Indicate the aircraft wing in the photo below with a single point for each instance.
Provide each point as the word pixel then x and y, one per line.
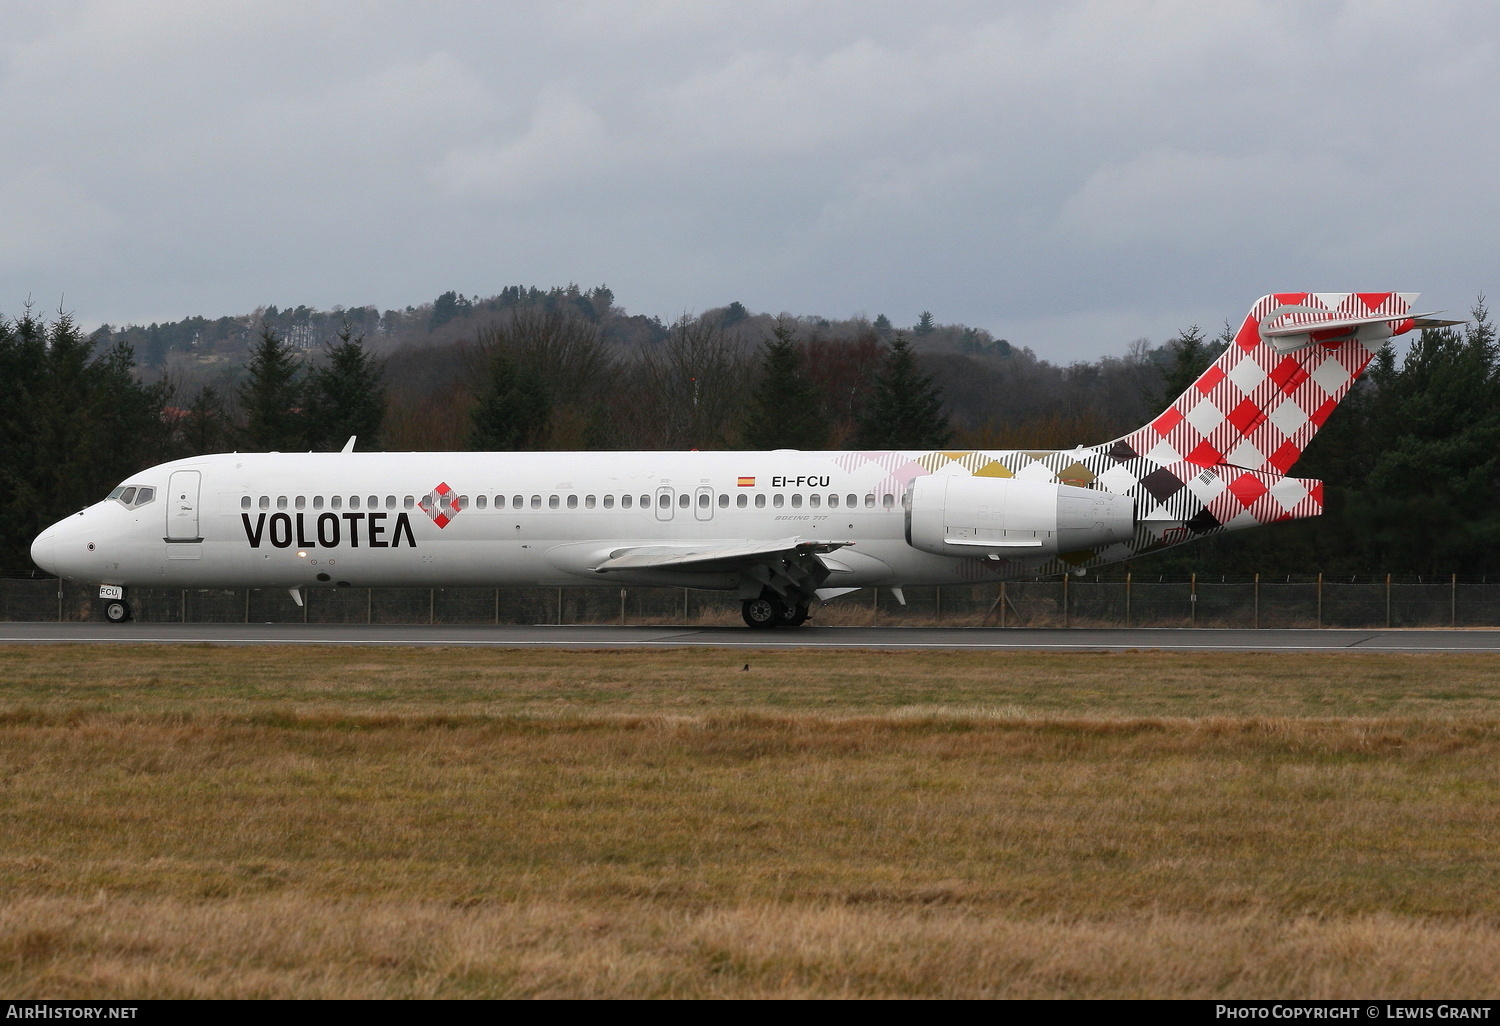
pixel 715 557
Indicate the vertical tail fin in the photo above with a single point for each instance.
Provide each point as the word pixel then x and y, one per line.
pixel 1260 404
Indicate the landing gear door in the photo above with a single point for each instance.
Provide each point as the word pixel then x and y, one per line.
pixel 182 507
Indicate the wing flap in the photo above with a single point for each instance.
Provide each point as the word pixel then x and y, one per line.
pixel 717 557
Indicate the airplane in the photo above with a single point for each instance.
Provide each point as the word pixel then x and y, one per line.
pixel 781 530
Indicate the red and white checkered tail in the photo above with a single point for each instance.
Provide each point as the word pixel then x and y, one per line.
pixel 1259 405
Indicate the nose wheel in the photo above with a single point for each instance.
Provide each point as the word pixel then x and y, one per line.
pixel 116 611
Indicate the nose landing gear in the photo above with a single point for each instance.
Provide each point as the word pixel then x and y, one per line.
pixel 116 611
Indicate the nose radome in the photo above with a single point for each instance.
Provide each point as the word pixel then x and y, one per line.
pixel 44 550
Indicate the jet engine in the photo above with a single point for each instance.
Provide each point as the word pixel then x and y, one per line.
pixel 980 516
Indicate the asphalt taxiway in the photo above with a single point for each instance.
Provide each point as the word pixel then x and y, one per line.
pixel 1017 638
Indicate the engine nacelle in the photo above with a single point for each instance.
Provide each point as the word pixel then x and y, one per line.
pixel 981 516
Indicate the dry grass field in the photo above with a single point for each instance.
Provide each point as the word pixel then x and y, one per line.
pixel 199 821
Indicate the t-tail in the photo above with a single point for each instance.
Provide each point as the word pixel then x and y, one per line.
pixel 1218 457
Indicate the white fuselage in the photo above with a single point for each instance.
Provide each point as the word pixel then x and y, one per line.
pixel 296 520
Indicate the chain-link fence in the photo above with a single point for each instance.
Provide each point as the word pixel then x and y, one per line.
pixel 1123 601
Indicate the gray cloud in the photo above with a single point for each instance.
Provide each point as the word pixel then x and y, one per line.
pixel 1068 175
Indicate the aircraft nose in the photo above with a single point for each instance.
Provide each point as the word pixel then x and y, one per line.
pixel 44 550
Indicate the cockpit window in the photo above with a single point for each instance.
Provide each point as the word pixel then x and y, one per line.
pixel 133 496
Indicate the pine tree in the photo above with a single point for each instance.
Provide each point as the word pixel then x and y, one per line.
pixel 925 325
pixel 1191 355
pixel 905 409
pixel 786 410
pixel 512 412
pixel 272 397
pixel 72 424
pixel 345 396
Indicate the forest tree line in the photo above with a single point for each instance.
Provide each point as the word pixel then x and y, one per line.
pixel 1412 457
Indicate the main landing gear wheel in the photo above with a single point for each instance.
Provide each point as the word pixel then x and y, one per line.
pixel 765 611
pixel 794 615
pixel 116 611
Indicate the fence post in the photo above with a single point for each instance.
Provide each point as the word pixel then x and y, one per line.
pixel 875 605
pixel 1453 600
pixel 497 607
pixel 431 605
pixel 684 605
pixel 1003 603
pixel 369 605
pixel 1193 600
pixel 622 607
pixel 1320 598
pixel 1067 620
pixel 1255 604
pixel 247 605
pixel 559 607
pixel 1127 599
pixel 59 600
pixel 1388 601
pixel 939 591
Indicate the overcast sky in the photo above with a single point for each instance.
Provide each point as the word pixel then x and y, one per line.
pixel 1070 176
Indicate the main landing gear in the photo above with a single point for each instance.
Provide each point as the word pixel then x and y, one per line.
pixel 771 610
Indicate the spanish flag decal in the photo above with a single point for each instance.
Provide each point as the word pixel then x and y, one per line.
pixel 747 482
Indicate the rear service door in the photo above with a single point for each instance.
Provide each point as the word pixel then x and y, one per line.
pixel 182 507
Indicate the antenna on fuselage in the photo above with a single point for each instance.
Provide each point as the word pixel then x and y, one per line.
pixel 349 445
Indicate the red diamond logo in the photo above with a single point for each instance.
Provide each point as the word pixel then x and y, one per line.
pixel 441 504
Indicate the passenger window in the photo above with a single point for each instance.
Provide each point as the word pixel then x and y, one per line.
pixel 481 500
pixel 683 500
pixel 572 502
pixel 336 502
pixel 833 502
pixel 814 501
pixel 301 502
pixel 588 502
pixel 407 502
pixel 281 502
pixel 742 500
pixel 244 499
pixel 645 501
pixel 869 502
pixel 797 501
pixel 626 501
pixel 516 501
pixel 127 496
pixel 723 500
pixel 703 501
pixel 354 502
pixel 609 502
pixel 853 500
pixel 265 502
pixel 887 500
pixel 536 502
pixel 390 502
pixel 463 502
pixel 664 501
pixel 778 500
pixel 760 502
pixel 374 502
pixel 552 502
pixel 317 502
